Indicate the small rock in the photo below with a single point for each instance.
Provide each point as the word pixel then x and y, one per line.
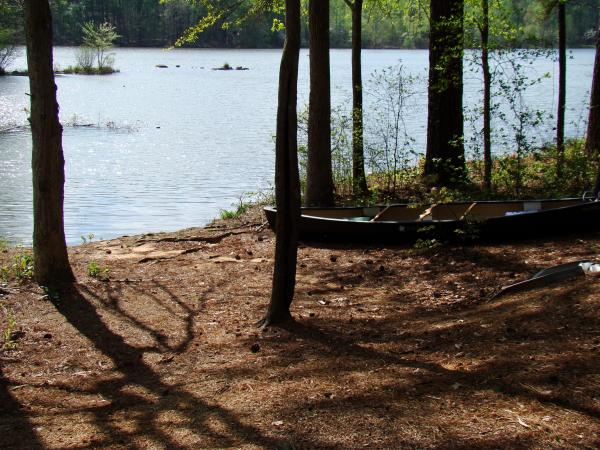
pixel 108 252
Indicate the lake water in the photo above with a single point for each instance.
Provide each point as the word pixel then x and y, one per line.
pixel 172 147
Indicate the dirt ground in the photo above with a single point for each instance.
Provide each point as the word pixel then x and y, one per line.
pixel 390 348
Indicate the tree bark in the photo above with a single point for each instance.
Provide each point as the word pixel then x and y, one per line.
pixel 319 179
pixel 51 263
pixel 444 158
pixel 596 191
pixel 487 95
pixel 592 143
pixel 287 184
pixel 359 179
pixel 562 88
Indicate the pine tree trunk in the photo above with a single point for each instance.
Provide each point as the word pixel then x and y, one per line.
pixel 487 95
pixel 444 158
pixel 562 89
pixel 596 191
pixel 592 143
pixel 51 263
pixel 287 184
pixel 319 179
pixel 359 179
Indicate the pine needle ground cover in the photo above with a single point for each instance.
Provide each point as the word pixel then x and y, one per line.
pixel 391 347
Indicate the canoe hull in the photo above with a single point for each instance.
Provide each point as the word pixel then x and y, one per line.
pixel 584 216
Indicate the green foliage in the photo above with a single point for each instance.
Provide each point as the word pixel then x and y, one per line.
pixel 240 209
pixel 8 331
pixel 3 244
pixel 89 238
pixel 95 271
pixel 4 273
pixel 22 267
pixel 231 15
pixel 422 245
pixel 97 39
pixel 429 241
pixel 9 18
pixel 390 148
pixel 259 23
pixel 78 70
pixel 341 149
pixel 537 172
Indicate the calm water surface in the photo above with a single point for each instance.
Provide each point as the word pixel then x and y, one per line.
pixel 172 147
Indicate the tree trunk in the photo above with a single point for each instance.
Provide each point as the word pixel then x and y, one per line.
pixel 51 263
pixel 562 89
pixel 319 180
pixel 359 179
pixel 592 143
pixel 444 159
pixel 287 184
pixel 487 95
pixel 597 184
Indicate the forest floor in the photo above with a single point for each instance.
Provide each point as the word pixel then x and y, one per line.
pixel 390 348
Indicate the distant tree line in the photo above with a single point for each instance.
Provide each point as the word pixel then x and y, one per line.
pixel 385 23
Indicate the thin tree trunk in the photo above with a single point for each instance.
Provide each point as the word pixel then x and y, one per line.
pixel 319 179
pixel 359 179
pixel 487 95
pixel 444 158
pixel 597 184
pixel 51 263
pixel 592 143
pixel 287 184
pixel 562 89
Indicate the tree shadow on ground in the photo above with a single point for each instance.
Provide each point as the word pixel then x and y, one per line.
pixel 507 372
pixel 211 424
pixel 15 427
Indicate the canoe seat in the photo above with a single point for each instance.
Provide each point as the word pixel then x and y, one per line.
pixel 449 211
pixel 480 211
pixel 398 212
